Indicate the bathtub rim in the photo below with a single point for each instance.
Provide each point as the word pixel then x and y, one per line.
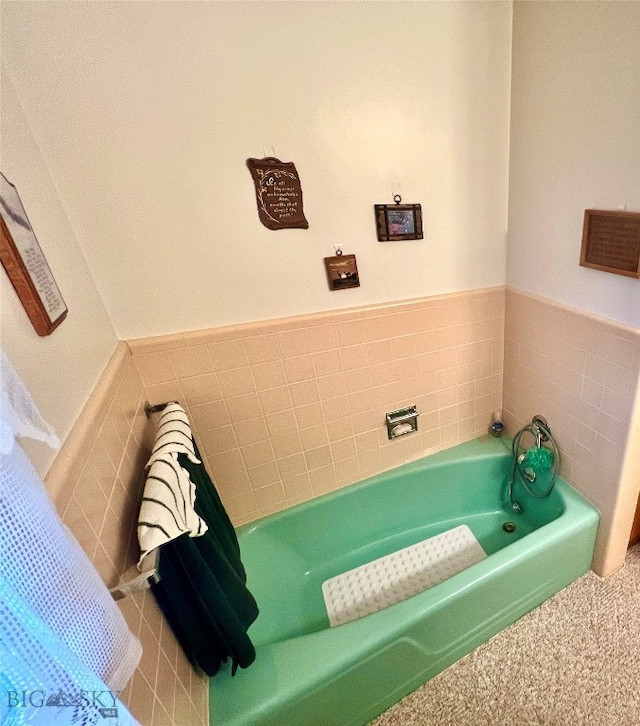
pixel 484 447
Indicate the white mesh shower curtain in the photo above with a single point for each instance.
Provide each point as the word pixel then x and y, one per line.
pixel 65 649
pixel 42 682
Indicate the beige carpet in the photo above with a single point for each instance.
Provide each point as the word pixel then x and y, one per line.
pixel 574 661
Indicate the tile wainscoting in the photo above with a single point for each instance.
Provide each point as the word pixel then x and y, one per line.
pixel 96 482
pixel 285 410
pixel 581 372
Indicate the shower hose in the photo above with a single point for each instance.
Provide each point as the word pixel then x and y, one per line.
pixel 539 429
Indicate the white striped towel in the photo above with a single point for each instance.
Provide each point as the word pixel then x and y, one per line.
pixel 167 510
pixel 173 435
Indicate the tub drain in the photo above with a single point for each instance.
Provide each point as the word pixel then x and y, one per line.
pixel 509 527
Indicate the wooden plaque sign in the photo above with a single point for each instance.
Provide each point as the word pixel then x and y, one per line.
pixel 278 193
pixel 25 264
pixel 611 242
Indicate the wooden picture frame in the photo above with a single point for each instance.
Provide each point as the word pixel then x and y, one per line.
pixel 342 272
pixel 396 222
pixel 611 242
pixel 26 265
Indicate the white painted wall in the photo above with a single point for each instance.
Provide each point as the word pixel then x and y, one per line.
pixel 575 145
pixel 62 369
pixel 146 113
pixel 129 141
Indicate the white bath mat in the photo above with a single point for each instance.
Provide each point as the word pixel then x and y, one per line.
pixel 400 575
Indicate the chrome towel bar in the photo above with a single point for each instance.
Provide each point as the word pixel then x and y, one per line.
pixel 150 409
pixel 143 581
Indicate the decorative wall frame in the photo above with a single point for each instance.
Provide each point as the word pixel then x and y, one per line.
pixel 395 222
pixel 611 242
pixel 26 265
pixel 342 271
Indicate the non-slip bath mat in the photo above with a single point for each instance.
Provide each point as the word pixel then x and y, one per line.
pixel 400 575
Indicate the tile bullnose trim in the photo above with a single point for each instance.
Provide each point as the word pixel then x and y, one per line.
pixel 623 328
pixel 171 341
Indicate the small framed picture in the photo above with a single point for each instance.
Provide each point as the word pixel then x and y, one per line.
pixel 395 222
pixel 342 272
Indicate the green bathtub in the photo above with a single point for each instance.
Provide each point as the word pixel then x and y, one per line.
pixel 308 674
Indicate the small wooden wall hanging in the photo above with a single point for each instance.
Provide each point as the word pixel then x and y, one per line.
pixel 278 193
pixel 342 271
pixel 395 222
pixel 611 242
pixel 25 264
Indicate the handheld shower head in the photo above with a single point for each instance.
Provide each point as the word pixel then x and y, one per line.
pixel 536 460
pixel 540 429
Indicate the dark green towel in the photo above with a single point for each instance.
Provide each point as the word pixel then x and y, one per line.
pixel 202 590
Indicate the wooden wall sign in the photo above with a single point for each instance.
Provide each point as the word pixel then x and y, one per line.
pixel 342 271
pixel 25 264
pixel 278 193
pixel 611 242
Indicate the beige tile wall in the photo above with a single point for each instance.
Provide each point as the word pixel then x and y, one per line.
pixel 95 482
pixel 580 372
pixel 289 409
